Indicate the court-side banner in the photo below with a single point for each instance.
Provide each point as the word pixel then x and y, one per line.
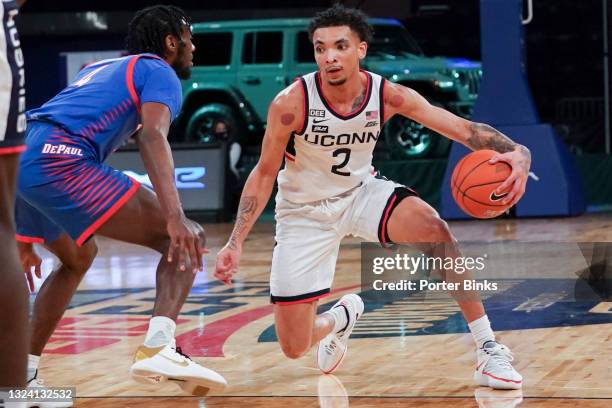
pixel 199 174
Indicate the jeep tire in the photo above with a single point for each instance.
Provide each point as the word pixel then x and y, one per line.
pixel 203 125
pixel 407 139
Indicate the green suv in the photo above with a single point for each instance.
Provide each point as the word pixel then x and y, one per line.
pixel 239 66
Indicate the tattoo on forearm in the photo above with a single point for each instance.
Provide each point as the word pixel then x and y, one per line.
pixel 358 100
pixel 246 211
pixel 485 137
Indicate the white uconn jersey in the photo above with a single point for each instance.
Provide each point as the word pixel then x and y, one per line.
pixel 332 153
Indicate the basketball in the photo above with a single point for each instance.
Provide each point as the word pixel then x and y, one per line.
pixel 474 182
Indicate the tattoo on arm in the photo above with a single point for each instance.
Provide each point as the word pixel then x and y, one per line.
pixel 483 136
pixel 246 211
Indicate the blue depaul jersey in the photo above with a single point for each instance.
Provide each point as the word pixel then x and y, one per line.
pixel 101 108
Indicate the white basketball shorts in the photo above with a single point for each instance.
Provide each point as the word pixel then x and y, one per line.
pixel 308 236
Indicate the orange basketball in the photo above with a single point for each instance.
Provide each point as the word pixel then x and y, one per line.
pixel 474 183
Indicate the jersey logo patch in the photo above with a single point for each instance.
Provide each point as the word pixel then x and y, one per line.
pixel 320 128
pixel 371 124
pixel 316 113
pixel 371 115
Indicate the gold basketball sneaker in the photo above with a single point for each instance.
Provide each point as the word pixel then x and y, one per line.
pixel 332 349
pixel 169 363
pixel 494 369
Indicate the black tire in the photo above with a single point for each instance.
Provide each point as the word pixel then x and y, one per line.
pixel 214 123
pixel 407 139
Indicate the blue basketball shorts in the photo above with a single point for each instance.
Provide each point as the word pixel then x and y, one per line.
pixel 63 187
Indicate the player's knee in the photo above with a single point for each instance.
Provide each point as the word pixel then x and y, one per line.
pixel 83 260
pixel 294 350
pixel 294 346
pixel 440 230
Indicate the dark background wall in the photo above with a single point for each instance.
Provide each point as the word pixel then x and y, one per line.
pixel 564 44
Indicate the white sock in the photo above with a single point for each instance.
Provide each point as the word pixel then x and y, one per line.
pixel 481 331
pixel 161 331
pixel 340 317
pixel 33 362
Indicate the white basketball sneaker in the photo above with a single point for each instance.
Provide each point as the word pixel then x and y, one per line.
pixel 168 363
pixel 40 385
pixel 494 369
pixel 332 349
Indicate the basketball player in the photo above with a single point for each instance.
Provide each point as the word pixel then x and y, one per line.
pixel 325 125
pixel 13 293
pixel 66 193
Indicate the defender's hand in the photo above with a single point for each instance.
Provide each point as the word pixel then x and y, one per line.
pixel 29 260
pixel 227 264
pixel 520 161
pixel 187 241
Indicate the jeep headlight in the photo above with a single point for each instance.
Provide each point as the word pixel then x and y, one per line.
pixel 453 73
pixel 462 77
pixel 444 84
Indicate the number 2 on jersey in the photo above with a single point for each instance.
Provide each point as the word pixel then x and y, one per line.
pixel 336 167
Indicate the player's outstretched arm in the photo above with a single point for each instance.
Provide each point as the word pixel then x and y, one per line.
pixel 285 116
pixel 476 136
pixel 187 237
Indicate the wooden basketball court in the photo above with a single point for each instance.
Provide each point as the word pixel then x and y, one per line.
pixel 403 354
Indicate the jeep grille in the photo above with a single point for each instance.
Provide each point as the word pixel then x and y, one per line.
pixel 471 80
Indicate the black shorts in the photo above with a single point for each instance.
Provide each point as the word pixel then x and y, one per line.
pixel 12 83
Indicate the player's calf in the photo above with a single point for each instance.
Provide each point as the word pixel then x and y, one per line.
pixel 294 327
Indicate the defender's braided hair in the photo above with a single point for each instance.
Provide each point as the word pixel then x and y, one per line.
pixel 150 26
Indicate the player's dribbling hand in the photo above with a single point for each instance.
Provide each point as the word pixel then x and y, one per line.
pixel 227 264
pixel 187 242
pixel 520 161
pixel 29 260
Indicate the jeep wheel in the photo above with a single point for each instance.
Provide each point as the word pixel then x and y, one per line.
pixel 406 139
pixel 214 123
